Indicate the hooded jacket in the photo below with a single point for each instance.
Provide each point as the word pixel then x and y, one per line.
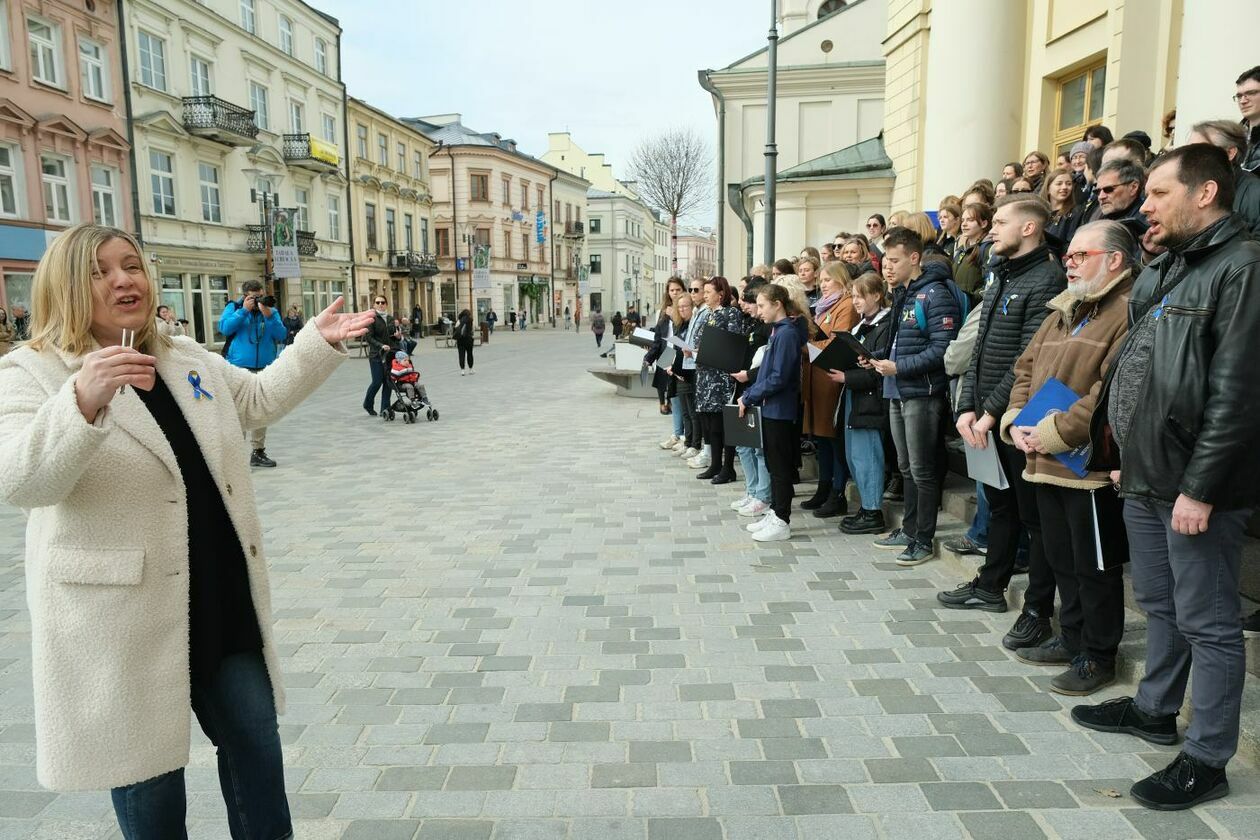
pixel 1013 309
pixel 254 336
pixel 920 352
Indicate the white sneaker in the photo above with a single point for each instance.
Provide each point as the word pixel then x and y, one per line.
pixel 681 446
pixel 776 531
pixel 760 523
pixel 755 507
pixel 736 505
pixel 471 371
pixel 669 442
pixel 463 373
pixel 688 453
pixel 699 462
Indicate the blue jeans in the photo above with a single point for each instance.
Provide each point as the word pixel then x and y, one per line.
pixel 756 475
pixel 675 405
pixel 978 533
pixel 831 468
pixel 380 382
pixel 864 453
pixel 237 713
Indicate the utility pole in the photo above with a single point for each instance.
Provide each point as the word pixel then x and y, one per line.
pixel 772 151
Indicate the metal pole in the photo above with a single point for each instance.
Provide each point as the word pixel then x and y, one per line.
pixel 772 151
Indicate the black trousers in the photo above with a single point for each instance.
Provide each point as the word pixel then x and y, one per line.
pixel 781 441
pixel 380 382
pixel 691 420
pixel 1008 510
pixel 721 455
pixel 465 353
pixel 1091 608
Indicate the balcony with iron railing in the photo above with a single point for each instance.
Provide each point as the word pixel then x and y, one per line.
pixel 413 263
pixel 311 153
pixel 256 241
pixel 575 230
pixel 214 119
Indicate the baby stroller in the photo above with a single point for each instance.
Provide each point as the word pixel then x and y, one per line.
pixel 410 397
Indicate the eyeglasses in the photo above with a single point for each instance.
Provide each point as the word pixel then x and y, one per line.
pixel 872 224
pixel 379 301
pixel 1246 94
pixel 696 289
pixel 1109 190
pixel 1075 258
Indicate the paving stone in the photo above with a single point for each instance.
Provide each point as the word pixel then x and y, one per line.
pixel 960 796
pixel 658 751
pixel 1165 825
pixel 412 778
pixel 1002 825
pixel 687 828
pixel 481 778
pixel 892 770
pixel 790 708
pixel 384 830
pixel 455 830
pixel 814 799
pixel 793 748
pixel 706 691
pixel 457 733
pixel 543 712
pixel 1034 795
pixel 763 773
pixel 623 775
pixel 579 731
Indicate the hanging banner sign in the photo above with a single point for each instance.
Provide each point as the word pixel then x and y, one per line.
pixel 284 251
pixel 481 267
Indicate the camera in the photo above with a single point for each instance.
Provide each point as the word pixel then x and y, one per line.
pixel 268 301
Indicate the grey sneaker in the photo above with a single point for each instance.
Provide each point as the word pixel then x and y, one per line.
pixel 1085 676
pixel 915 553
pixel 1050 652
pixel 964 545
pixel 896 540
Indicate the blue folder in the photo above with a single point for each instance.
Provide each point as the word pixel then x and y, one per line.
pixel 1054 396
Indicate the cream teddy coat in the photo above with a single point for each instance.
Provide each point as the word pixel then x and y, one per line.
pixel 107 547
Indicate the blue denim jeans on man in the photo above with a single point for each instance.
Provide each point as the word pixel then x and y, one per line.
pixel 756 475
pixel 236 711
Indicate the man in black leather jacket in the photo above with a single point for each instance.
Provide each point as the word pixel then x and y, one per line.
pixel 1177 416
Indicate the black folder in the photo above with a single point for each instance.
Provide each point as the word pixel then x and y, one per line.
pixel 722 349
pixel 842 353
pixel 742 431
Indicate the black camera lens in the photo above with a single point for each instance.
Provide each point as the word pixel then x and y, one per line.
pixel 269 301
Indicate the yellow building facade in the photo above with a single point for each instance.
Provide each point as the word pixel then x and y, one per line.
pixel 391 211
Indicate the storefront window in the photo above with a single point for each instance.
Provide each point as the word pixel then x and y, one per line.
pixel 218 290
pixel 17 290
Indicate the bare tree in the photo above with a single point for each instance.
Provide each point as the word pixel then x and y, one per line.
pixel 671 173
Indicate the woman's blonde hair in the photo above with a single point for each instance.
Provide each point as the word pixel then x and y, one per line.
pixel 871 283
pixel 922 225
pixel 796 291
pixel 838 272
pixel 61 294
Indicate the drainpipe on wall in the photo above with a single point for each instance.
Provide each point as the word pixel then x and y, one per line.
pixel 345 144
pixel 551 287
pixel 707 84
pixel 123 41
pixel 735 198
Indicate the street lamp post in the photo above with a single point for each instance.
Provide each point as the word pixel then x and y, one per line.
pixel 266 201
pixel 772 151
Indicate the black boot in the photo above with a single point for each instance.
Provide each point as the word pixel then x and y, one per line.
pixel 710 472
pixel 864 522
pixel 836 505
pixel 893 492
pixel 816 501
pixel 259 459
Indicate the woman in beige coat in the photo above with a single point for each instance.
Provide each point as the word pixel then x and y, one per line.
pixel 145 576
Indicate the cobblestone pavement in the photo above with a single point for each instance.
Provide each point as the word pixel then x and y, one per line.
pixel 526 621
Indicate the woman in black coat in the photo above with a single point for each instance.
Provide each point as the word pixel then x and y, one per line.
pixel 464 340
pixel 863 409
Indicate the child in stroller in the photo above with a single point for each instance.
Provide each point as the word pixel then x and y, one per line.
pixel 409 395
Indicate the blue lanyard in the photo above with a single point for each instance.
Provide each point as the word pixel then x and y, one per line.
pixel 1159 310
pixel 1079 327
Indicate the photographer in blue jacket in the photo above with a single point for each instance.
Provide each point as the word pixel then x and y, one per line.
pixel 252 331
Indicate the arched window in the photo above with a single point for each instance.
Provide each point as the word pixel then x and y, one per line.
pixel 830 7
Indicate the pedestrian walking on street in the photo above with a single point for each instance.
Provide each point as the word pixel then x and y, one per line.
pixel 567 318
pixel 145 576
pixel 492 318
pixel 616 324
pixel 597 327
pixel 381 348
pixel 512 320
pixel 292 324
pixel 254 332
pixel 1176 418
pixel 464 340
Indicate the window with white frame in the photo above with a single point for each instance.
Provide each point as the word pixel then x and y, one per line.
pixel 418 164
pixel 55 173
pixel 249 18
pixel 6 60
pixel 334 217
pixel 361 133
pixel 152 61
pixel 105 195
pixel 286 35
pixel 302 198
pixel 328 125
pixel 93 70
pixel 297 117
pixel 402 157
pixel 10 181
pixel 258 103
pixel 162 182
pixel 45 46
pixel 211 205
pixel 382 150
pixel 321 55
pixel 198 76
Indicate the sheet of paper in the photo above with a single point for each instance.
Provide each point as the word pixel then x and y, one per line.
pixel 1099 563
pixel 814 351
pixel 983 465
pixel 646 335
pixel 679 343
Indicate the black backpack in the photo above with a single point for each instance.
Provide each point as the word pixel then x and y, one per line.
pixel 227 341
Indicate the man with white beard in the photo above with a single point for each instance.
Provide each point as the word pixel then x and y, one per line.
pixel 1088 321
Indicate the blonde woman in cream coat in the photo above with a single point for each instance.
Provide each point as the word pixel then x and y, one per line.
pixel 103 446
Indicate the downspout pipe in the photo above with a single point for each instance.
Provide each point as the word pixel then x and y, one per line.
pixel 551 208
pixel 131 131
pixel 345 144
pixel 735 198
pixel 707 84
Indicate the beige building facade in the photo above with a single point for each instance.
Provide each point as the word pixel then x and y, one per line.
pixel 391 211
pixel 568 242
pixel 237 106
pixel 697 253
pixel 64 153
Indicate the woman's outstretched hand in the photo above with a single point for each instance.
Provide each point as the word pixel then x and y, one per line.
pixel 336 326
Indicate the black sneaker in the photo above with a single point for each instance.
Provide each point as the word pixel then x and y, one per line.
pixel 1029 631
pixel 834 506
pixel 1183 784
pixel 1085 676
pixel 964 545
pixel 893 492
pixel 864 522
pixel 1123 715
pixel 969 596
pixel 1251 624
pixel 259 459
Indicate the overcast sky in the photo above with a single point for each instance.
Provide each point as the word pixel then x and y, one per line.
pixel 610 71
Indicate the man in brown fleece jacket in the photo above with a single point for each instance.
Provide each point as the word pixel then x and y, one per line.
pixel 1088 322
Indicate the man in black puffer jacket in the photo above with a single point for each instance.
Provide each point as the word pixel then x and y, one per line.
pixel 1013 309
pixel 925 319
